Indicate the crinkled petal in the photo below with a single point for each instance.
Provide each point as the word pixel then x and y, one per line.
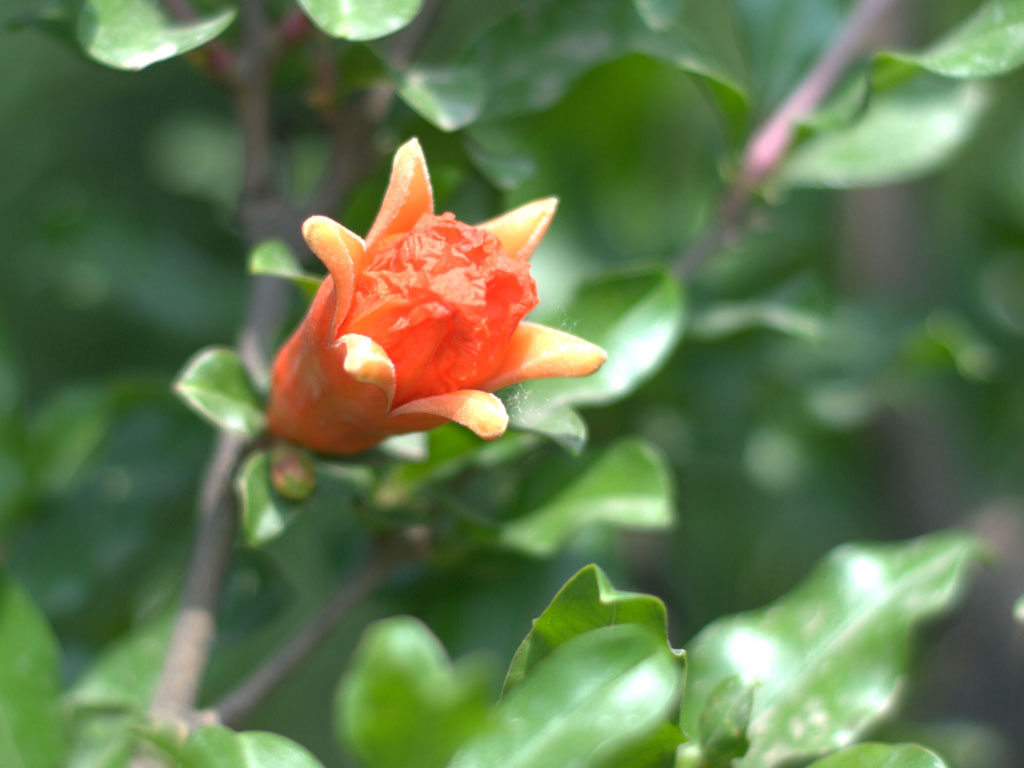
pixel 341 251
pixel 481 412
pixel 408 196
pixel 367 362
pixel 538 352
pixel 521 229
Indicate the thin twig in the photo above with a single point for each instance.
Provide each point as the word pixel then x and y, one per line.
pixel 232 709
pixel 192 637
pixel 194 629
pixel 770 142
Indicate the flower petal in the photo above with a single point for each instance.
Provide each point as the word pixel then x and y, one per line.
pixel 341 251
pixel 408 196
pixel 366 361
pixel 481 412
pixel 521 229
pixel 538 352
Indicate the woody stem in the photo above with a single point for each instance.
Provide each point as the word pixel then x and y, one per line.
pixel 192 637
pixel 233 707
pixel 770 142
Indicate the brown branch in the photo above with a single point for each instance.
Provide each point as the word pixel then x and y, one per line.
pixel 770 142
pixel 192 637
pixel 232 709
pixel 263 213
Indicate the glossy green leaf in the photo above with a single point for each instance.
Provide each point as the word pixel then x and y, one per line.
pixel 656 749
pixel 637 318
pixel 881 756
pixel 587 601
pixel 263 518
pixel 627 486
pixel 658 14
pixel 266 514
pixel 66 433
pixel 594 693
pixel 446 96
pixel 275 258
pixel 215 385
pixel 990 42
pixel 125 675
pixel 403 703
pixel 828 657
pixel 361 19
pixel 132 34
pixel 31 731
pixel 409 447
pixel 107 703
pixel 217 747
pixel 723 723
pixel 562 425
pixel 725 319
pixel 906 132
pixel 531 53
pixel 498 155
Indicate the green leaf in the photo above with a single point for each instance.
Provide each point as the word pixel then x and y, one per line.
pixel 108 701
pixel 637 318
pixel 563 425
pixel 403 703
pixel 906 132
pixel 446 96
pixel 723 722
pixel 1018 610
pixel 725 319
pixel 531 52
pixel 658 14
pixel 881 756
pixel 275 258
pixel 990 42
pixel 31 731
pixel 653 750
pixel 266 514
pixel 627 486
pixel 215 385
pixel 499 156
pixel 361 19
pixel 594 694
pixel 410 447
pixel 217 747
pixel 587 601
pixel 829 656
pixel 124 676
pixel 263 518
pixel 65 435
pixel 132 34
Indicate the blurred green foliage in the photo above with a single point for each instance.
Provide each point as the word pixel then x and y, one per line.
pixel 849 368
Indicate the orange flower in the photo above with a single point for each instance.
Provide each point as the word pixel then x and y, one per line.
pixel 418 324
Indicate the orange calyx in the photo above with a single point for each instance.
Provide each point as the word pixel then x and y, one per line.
pixel 442 300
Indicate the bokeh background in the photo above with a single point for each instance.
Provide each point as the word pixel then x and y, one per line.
pixel 852 365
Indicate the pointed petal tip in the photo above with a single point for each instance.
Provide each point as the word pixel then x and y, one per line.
pixel 409 194
pixel 367 362
pixel 313 225
pixel 539 352
pixel 521 229
pixel 481 412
